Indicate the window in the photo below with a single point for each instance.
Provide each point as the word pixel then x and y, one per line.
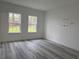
pixel 14 23
pixel 32 23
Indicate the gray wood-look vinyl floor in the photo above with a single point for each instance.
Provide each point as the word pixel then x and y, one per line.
pixel 36 49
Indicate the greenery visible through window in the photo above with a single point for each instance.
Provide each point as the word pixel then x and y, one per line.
pixel 14 23
pixel 32 23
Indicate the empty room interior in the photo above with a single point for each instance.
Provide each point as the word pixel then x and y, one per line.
pixel 39 29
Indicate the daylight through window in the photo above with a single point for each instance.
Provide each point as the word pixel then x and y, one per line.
pixel 14 23
pixel 32 23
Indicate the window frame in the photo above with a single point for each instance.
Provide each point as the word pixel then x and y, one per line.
pixel 13 19
pixel 32 24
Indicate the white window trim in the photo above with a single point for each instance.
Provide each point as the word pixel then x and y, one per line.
pixel 32 24
pixel 13 19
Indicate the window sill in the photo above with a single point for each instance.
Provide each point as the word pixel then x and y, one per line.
pixel 14 33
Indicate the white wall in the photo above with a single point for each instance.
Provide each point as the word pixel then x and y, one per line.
pixel 56 31
pixel 5 8
pixel 0 26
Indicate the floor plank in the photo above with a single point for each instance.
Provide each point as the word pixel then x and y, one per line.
pixel 36 49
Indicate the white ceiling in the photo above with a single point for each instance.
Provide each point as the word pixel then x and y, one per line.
pixel 43 4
